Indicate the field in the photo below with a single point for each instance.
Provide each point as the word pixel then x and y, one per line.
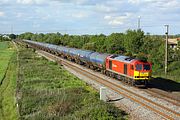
pixel 47 91
pixel 8 74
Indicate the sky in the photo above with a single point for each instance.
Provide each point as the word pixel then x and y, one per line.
pixel 89 16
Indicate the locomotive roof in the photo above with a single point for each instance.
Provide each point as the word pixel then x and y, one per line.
pixel 124 58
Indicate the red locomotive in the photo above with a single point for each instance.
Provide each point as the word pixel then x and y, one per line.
pixel 131 70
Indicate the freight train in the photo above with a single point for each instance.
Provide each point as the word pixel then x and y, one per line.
pixel 130 70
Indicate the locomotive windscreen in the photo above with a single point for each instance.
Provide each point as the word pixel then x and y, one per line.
pixel 147 67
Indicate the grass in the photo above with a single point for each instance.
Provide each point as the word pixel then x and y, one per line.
pixel 5 56
pixel 8 69
pixel 50 92
pixel 173 72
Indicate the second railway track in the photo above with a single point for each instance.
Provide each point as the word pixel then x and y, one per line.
pixel 163 96
pixel 165 112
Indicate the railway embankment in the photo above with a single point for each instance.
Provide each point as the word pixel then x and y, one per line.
pixel 48 91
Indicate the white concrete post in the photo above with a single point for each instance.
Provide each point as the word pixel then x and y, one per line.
pixel 103 94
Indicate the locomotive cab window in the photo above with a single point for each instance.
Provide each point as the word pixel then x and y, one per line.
pixel 139 67
pixel 147 67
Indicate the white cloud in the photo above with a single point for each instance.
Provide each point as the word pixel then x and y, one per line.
pixel 134 1
pixel 80 15
pixel 105 8
pixel 29 2
pixel 117 20
pixel 81 2
pixel 170 3
pixel 107 17
pixel 2 14
pixel 158 3
pixel 25 1
pixel 145 1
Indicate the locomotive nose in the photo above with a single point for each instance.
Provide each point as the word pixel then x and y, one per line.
pixel 143 71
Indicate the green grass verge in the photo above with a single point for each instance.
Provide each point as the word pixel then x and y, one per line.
pixel 8 86
pixel 50 92
pixel 5 55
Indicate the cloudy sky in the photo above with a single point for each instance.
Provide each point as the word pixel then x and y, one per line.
pixel 89 16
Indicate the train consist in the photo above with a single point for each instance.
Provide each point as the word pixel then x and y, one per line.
pixel 127 69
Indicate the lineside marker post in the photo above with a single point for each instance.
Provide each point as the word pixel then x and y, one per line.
pixel 103 94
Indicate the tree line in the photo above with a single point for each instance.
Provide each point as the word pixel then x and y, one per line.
pixel 7 37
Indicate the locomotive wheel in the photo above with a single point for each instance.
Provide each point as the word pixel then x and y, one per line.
pixel 107 73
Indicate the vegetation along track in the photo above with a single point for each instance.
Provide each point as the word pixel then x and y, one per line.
pixel 165 112
pixel 8 72
pixel 4 76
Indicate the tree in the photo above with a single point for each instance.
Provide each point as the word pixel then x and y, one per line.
pixel 156 52
pixel 1 38
pixel 27 35
pixel 90 46
pixel 115 43
pixel 133 41
pixel 12 36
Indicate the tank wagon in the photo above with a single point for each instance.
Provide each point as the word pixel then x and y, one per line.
pixel 130 70
pixel 98 60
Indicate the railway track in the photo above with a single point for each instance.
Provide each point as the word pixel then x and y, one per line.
pixel 163 96
pixel 165 112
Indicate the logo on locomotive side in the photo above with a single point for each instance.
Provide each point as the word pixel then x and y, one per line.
pixel 113 65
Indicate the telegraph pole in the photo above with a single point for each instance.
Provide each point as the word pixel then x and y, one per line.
pixel 139 22
pixel 166 49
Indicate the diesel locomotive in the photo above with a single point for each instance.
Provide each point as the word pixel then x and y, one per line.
pixel 130 70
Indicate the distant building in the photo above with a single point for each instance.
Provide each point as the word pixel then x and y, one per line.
pixel 173 42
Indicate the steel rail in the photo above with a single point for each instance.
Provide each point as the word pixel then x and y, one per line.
pixel 163 96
